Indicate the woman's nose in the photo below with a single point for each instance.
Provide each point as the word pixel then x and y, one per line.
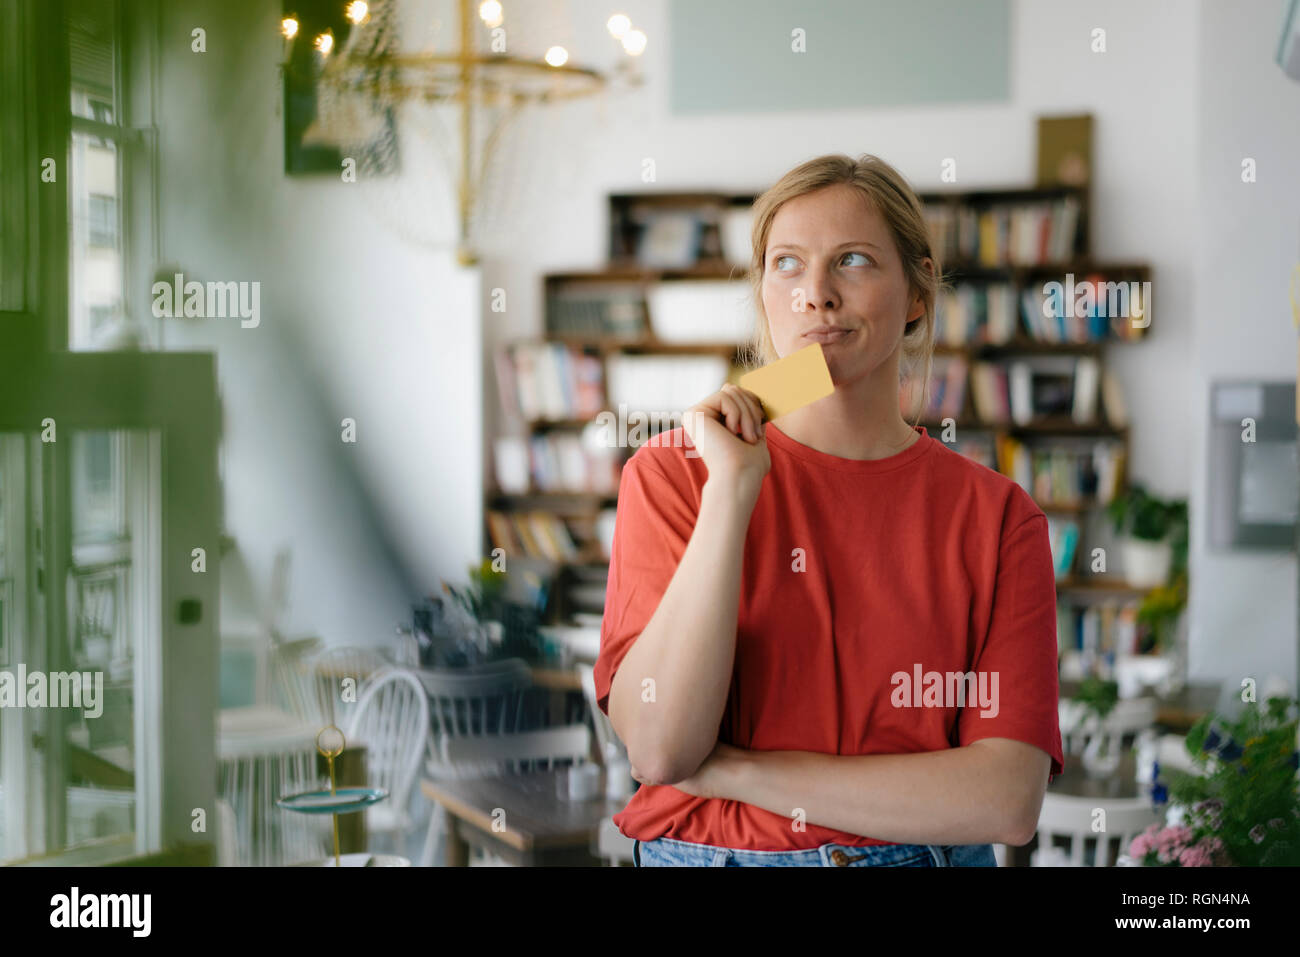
pixel 818 293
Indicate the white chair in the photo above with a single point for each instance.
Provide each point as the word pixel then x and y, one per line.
pixel 264 754
pixel 614 847
pixel 227 838
pixel 331 668
pixel 392 721
pixel 291 683
pixel 1070 817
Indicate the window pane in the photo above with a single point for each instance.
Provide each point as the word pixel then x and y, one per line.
pixel 69 768
pixel 97 268
pixel 94 201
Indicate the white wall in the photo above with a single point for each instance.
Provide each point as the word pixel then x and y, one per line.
pixel 1243 605
pixel 356 321
pixel 1183 90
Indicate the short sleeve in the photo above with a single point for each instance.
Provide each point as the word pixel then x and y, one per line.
pixel 655 519
pixel 1020 648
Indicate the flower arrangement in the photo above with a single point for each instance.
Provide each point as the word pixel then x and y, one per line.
pixel 1245 809
pixel 1181 845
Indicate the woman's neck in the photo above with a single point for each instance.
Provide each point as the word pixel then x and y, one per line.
pixel 860 421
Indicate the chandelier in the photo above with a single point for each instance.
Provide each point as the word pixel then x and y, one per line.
pixel 353 56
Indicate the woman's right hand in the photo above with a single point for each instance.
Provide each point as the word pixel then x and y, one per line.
pixel 727 432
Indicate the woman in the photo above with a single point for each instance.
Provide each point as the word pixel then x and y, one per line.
pixel 830 641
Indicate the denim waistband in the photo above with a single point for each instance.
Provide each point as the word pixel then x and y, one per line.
pixel 668 852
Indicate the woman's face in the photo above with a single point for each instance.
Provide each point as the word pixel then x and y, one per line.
pixel 832 275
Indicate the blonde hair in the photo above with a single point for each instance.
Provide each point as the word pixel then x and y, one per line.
pixel 893 199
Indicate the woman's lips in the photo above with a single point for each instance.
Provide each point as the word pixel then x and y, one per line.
pixel 828 336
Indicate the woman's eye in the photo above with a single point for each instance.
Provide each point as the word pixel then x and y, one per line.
pixel 776 264
pixel 861 256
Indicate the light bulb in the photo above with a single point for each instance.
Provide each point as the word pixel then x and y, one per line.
pixel 325 43
pixel 357 11
pixel 634 42
pixel 489 11
pixel 618 25
pixel 289 27
pixel 557 56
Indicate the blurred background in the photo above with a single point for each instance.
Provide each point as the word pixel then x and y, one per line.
pixel 326 327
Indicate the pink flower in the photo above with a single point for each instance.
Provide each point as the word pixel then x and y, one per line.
pixel 1257 833
pixel 1139 847
pixel 1195 856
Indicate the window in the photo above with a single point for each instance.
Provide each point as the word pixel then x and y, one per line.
pixel 102 221
pixel 109 185
pixel 87 519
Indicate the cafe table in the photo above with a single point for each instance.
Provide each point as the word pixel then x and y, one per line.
pixel 521 818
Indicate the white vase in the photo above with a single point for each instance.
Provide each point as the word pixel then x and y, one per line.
pixel 1146 564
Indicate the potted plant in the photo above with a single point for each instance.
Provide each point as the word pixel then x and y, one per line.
pixel 1154 535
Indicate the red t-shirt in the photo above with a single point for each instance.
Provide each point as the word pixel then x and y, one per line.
pixel 855 574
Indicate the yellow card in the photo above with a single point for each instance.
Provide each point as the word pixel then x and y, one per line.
pixel 792 382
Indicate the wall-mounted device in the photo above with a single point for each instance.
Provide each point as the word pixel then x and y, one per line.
pixel 1254 486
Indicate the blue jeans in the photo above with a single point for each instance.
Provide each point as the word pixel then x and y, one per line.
pixel 666 852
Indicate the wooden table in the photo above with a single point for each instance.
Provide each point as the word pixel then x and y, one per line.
pixel 1076 782
pixel 540 827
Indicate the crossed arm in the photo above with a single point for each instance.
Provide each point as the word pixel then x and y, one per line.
pixel 990 790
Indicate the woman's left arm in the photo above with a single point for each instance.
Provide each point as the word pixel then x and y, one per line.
pixel 990 790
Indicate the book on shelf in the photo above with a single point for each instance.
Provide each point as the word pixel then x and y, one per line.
pixel 549 381
pixel 1064 537
pixel 534 534
pixel 1112 397
pixel 1064 474
pixel 947 391
pixel 1006 234
pixel 564 462
pixel 976 314
pixel 1095 308
pixel 1096 633
pixel 595 310
pixel 1027 389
